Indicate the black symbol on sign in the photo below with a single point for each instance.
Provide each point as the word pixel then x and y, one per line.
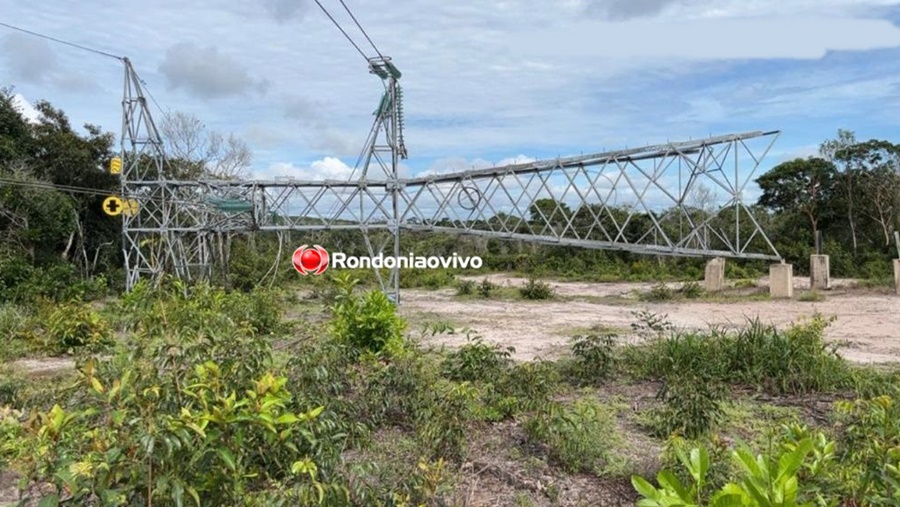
pixel 112 206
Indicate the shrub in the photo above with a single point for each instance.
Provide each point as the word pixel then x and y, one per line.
pixel 530 385
pixel 768 480
pixel 76 326
pixel 692 405
pixel 579 438
pixel 535 289
pixel 443 416
pixel 594 360
pixel 476 361
pixel 868 456
pixel 368 323
pixel 691 290
pixel 465 288
pixel 486 288
pixel 659 292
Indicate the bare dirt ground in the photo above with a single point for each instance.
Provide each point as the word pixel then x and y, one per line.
pixel 867 325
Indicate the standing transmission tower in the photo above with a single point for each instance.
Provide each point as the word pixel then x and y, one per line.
pixel 383 151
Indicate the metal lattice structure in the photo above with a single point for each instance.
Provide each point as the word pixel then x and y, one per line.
pixel 678 198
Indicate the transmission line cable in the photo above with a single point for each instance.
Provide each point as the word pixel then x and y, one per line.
pixel 60 41
pixel 339 27
pixel 361 29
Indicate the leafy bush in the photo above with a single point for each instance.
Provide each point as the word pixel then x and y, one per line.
pixel 594 359
pixel 691 290
pixel 465 288
pixel 659 292
pixel 535 289
pixel 764 480
pixel 486 288
pixel 76 326
pixel 174 421
pixel 22 282
pixel 368 323
pixel 179 307
pixel 443 417
pixel 476 361
pixel 691 407
pixel 868 452
pixel 579 438
pixel 530 384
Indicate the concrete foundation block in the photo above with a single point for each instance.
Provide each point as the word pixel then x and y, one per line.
pixel 714 278
pixel 781 281
pixel 897 275
pixel 819 272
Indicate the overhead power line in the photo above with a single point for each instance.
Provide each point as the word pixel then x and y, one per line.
pixel 361 29
pixel 60 41
pixel 339 27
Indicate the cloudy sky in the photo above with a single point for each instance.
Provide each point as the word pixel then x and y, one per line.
pixel 485 81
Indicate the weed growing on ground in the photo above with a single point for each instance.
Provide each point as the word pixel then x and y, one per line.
pixel 486 288
pixel 579 438
pixel 796 360
pixel 691 290
pixel 594 359
pixel 476 361
pixel 465 288
pixel 692 406
pixel 811 296
pixel 659 292
pixel 535 289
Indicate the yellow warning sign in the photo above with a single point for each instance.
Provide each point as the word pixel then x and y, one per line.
pixel 115 165
pixel 113 206
pixel 130 207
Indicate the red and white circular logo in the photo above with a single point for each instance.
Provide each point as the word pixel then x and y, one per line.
pixel 310 260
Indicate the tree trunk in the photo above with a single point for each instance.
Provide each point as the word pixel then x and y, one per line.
pixel 850 210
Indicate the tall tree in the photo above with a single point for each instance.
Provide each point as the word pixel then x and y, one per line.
pixel 875 166
pixel 200 153
pixel 804 186
pixel 834 150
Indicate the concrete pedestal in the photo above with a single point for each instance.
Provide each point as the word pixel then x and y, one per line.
pixel 897 275
pixel 819 272
pixel 714 277
pixel 781 281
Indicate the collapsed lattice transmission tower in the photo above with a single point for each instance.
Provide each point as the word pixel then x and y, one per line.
pixel 678 198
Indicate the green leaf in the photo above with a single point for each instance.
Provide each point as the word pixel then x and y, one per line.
pixel 227 457
pixel 287 419
pixel 727 500
pixel 644 488
pixel 671 483
pixel 49 501
pixel 700 463
pixel 178 493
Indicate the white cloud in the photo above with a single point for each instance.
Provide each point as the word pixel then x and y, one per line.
pixel 329 168
pixel 701 39
pixel 26 109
